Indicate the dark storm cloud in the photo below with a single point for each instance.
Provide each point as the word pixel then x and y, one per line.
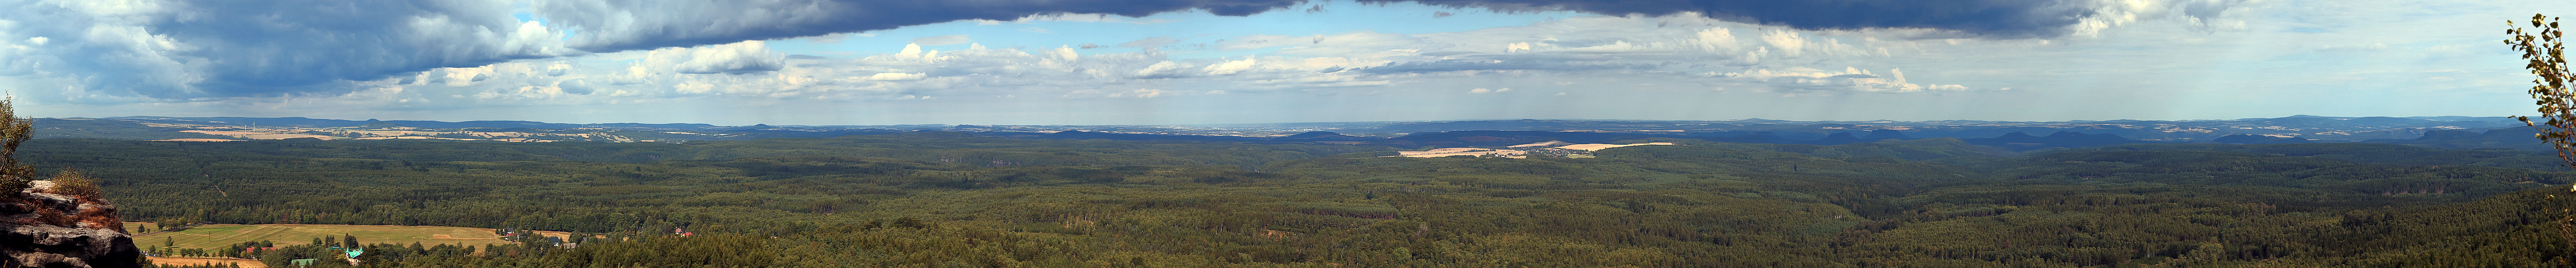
pixel 193 49
pixel 287 43
pixel 190 49
pixel 1991 18
pixel 615 25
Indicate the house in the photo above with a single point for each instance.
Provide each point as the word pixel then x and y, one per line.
pixel 352 253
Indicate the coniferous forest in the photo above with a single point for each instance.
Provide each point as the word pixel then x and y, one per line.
pixel 948 199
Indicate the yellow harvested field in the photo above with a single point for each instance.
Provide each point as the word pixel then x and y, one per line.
pixel 217 236
pixel 390 133
pixel 197 261
pixel 1598 147
pixel 259 135
pixel 1477 152
pixel 500 134
pixel 1544 144
pixel 411 138
pixel 1443 151
pixel 196 140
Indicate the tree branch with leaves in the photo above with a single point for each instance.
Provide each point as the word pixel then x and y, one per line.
pixel 2544 50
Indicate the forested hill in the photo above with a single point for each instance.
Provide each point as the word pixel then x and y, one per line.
pixel 957 199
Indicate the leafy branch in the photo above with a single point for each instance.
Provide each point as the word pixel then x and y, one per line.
pixel 2542 46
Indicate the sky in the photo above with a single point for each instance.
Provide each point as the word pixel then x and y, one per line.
pixel 1090 62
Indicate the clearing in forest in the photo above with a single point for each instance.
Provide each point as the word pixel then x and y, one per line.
pixel 129 226
pixel 218 236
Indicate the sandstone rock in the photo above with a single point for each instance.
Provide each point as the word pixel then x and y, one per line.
pixel 42 229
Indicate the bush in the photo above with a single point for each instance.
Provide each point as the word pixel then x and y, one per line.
pixel 73 183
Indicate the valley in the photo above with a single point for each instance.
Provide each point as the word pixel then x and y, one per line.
pixel 893 198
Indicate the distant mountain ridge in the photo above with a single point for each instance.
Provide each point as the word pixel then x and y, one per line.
pixel 2432 131
pixel 300 121
pixel 2307 126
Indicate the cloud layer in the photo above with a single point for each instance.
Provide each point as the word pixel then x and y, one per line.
pixel 196 49
pixel 191 49
pixel 1991 18
pixel 1820 58
pixel 1677 53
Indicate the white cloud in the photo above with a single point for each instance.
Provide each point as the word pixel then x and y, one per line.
pixel 1165 69
pixel 1302 63
pixel 896 77
pixel 1809 81
pixel 736 58
pixel 1232 67
pixel 1140 93
pixel 575 87
pixel 1789 43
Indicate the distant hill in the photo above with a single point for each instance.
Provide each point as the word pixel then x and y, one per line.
pixel 2390 154
pixel 2518 138
pixel 300 121
pixel 2457 132
pixel 245 128
pixel 2259 139
pixel 2320 128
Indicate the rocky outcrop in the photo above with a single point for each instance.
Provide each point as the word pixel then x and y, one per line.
pixel 39 228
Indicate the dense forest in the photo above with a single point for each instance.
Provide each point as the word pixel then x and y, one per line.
pixel 951 199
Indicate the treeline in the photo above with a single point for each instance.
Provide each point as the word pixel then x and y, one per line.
pixel 933 199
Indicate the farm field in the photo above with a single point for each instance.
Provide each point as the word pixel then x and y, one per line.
pixel 197 261
pixel 129 226
pixel 218 236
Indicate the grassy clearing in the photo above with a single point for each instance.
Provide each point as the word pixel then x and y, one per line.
pixel 218 236
pixel 129 226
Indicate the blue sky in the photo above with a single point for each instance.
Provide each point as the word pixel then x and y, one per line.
pixel 834 62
